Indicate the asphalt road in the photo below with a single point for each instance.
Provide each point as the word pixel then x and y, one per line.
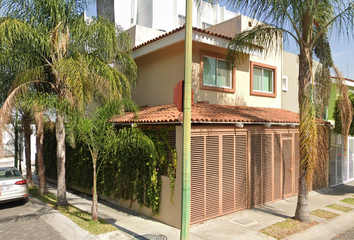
pixel 347 235
pixel 18 221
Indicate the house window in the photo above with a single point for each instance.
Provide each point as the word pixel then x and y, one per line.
pixel 181 20
pixel 215 74
pixel 263 80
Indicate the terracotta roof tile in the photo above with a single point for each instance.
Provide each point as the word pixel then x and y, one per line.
pixel 210 113
pixel 177 30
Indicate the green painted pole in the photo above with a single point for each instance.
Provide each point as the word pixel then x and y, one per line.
pixel 186 151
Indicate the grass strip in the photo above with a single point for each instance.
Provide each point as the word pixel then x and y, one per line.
pixel 324 214
pixel 340 207
pixel 286 228
pixel 81 218
pixel 348 200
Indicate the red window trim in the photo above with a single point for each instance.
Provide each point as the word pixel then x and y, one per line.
pixel 211 88
pixel 270 67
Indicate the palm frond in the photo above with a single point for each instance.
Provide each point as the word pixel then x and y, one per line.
pixel 261 38
pixel 323 86
pixel 345 106
pixel 308 133
pixel 9 105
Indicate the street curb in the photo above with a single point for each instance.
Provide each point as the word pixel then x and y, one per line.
pixel 327 229
pixel 62 224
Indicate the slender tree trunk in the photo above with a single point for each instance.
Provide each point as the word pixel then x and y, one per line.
pixel 27 135
pixel 20 151
pixel 42 185
pixel 302 212
pixel 60 135
pixel 94 208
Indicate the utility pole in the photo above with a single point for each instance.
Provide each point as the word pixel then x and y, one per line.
pixel 186 151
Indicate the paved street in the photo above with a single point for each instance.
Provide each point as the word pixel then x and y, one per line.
pixel 347 235
pixel 18 221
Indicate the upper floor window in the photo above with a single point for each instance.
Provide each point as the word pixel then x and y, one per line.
pixel 263 79
pixel 181 20
pixel 215 73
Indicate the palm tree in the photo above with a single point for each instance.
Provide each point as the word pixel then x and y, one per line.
pixel 26 122
pixel 77 61
pixel 308 23
pixel 100 137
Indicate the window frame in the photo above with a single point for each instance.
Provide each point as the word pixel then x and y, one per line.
pixel 215 88
pixel 267 67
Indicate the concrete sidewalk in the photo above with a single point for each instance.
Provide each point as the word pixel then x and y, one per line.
pixel 240 225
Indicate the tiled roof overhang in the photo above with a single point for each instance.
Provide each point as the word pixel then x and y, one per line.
pixel 209 113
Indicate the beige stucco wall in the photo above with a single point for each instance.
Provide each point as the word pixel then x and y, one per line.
pixel 228 28
pixel 233 26
pixel 291 70
pixel 140 34
pixel 160 71
pixel 242 95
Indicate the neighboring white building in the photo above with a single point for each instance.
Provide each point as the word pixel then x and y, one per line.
pixel 8 148
pixel 163 15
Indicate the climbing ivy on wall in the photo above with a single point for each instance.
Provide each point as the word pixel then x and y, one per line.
pixel 78 164
pixel 131 175
pixel 167 153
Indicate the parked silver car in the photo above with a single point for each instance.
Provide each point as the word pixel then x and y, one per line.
pixel 13 186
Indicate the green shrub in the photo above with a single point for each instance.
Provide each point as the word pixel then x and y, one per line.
pixel 129 175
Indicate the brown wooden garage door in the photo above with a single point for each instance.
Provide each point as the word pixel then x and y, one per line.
pixel 272 168
pixel 218 175
pixel 221 171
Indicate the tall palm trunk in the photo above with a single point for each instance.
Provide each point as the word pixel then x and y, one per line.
pixel 60 136
pixel 42 186
pixel 27 134
pixel 307 130
pixel 94 210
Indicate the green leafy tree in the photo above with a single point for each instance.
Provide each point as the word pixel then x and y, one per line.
pixel 308 23
pixel 77 61
pixel 101 138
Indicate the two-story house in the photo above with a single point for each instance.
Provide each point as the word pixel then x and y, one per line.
pixel 244 146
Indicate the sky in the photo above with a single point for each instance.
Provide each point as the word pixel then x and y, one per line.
pixel 342 49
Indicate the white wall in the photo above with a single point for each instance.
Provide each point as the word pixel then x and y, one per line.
pixel 8 142
pixel 122 13
pixel 159 14
pixel 163 14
